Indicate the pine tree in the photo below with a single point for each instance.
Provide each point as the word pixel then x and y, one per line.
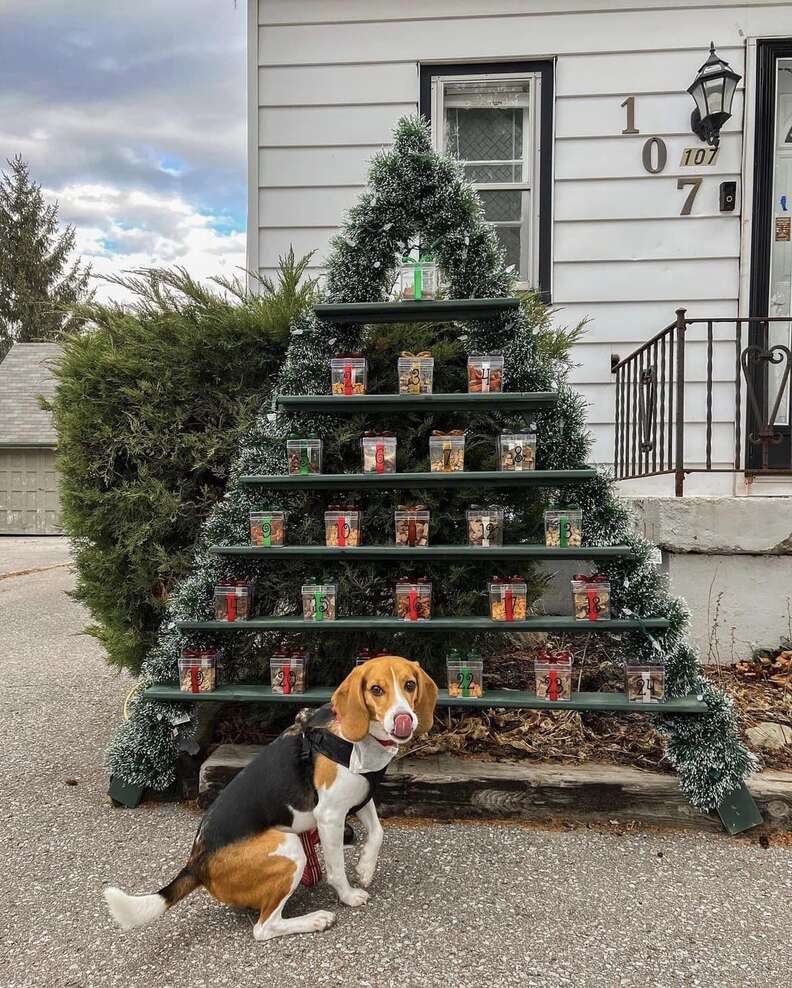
pixel 37 280
pixel 414 192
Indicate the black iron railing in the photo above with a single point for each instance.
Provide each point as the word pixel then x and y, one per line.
pixel 655 408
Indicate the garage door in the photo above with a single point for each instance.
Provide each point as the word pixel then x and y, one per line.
pixel 29 502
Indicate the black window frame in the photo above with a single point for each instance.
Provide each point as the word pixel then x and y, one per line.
pixel 546 71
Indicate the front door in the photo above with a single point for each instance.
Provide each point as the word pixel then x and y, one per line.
pixel 771 259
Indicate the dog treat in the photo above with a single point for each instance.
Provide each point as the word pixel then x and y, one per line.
pixel 304 455
pixel 233 601
pixel 553 680
pixel 485 525
pixel 485 373
pixel 417 278
pixel 412 525
pixel 591 597
pixel 465 676
pixel 268 528
pixel 348 374
pixel 319 601
pixel 288 673
pixel 563 526
pixel 379 452
pixel 644 683
pixel 342 527
pixel 416 372
pixel 517 450
pixel 508 599
pixel 198 670
pixel 413 600
pixel 447 451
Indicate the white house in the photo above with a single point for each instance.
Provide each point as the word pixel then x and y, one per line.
pixel 574 120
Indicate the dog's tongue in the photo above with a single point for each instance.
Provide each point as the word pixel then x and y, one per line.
pixel 402 725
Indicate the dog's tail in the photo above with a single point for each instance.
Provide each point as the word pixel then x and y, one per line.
pixel 133 911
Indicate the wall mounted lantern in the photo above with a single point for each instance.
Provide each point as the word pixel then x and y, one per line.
pixel 713 92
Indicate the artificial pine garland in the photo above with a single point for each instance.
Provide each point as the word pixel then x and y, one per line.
pixel 416 196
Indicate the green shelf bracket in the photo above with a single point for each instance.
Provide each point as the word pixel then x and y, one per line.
pixel 739 812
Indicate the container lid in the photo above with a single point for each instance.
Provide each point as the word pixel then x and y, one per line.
pixel 345 358
pixel 297 659
pixel 459 663
pixel 267 513
pixel 319 587
pixel 386 438
pixel 486 510
pixel 496 584
pixel 424 356
pixel 518 436
pixel 307 441
pixel 235 588
pixel 596 579
pixel 407 586
pixel 485 358
pixel 341 512
pixel 412 513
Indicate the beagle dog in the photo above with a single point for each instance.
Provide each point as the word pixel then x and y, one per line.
pixel 249 851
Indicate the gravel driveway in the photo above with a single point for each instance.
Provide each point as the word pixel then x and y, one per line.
pixel 453 905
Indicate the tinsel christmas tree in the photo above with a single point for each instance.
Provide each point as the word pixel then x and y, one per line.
pixel 416 196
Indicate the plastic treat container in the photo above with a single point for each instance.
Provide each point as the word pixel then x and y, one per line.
pixel 446 452
pixel 304 455
pixel 348 375
pixel 342 528
pixel 198 670
pixel 517 450
pixel 233 601
pixel 319 601
pixel 288 673
pixel 485 373
pixel 563 527
pixel 591 598
pixel 379 453
pixel 465 677
pixel 485 526
pixel 268 528
pixel 412 527
pixel 508 599
pixel 553 680
pixel 416 373
pixel 418 279
pixel 644 683
pixel 413 600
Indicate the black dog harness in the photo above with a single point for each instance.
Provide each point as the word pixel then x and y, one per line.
pixel 318 741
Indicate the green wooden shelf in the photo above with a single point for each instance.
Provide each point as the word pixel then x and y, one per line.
pixel 507 401
pixel 514 699
pixel 428 311
pixel 440 625
pixel 417 481
pixel 393 553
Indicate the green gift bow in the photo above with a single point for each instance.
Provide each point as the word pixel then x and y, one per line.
pixel 418 272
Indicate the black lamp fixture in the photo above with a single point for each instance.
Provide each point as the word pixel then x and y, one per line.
pixel 713 92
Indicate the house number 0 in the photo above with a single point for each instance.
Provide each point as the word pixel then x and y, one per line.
pixel 654 155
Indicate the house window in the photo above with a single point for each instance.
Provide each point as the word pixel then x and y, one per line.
pixel 492 122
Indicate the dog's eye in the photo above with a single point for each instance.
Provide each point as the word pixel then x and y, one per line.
pixel 410 685
pixel 377 690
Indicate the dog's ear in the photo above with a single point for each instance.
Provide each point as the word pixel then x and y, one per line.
pixel 425 701
pixel 350 706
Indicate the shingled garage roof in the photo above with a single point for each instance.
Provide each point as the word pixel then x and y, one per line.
pixel 25 374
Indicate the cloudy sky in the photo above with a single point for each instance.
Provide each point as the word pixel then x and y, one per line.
pixel 132 115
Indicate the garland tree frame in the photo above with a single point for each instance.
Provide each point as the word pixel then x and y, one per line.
pixel 415 194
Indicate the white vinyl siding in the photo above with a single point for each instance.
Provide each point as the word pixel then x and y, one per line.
pixel 622 254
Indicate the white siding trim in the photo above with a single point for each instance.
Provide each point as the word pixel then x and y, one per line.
pixel 252 113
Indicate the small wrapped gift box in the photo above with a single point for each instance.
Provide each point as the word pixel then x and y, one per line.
pixel 417 278
pixel 563 526
pixel 508 599
pixel 485 525
pixel 465 675
pixel 413 600
pixel 379 452
pixel 412 525
pixel 553 672
pixel 319 601
pixel 342 526
pixel 416 373
pixel 485 373
pixel 447 451
pixel 644 683
pixel 268 528
pixel 198 670
pixel 288 672
pixel 517 450
pixel 591 597
pixel 304 455
pixel 233 601
pixel 348 374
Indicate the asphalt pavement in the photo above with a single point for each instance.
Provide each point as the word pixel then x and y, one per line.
pixel 452 905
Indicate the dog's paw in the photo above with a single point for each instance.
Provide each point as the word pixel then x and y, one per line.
pixel 365 871
pixel 355 897
pixel 322 919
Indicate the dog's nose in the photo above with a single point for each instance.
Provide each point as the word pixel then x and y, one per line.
pixel 402 725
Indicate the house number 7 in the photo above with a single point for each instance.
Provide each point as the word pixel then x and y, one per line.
pixel 695 185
